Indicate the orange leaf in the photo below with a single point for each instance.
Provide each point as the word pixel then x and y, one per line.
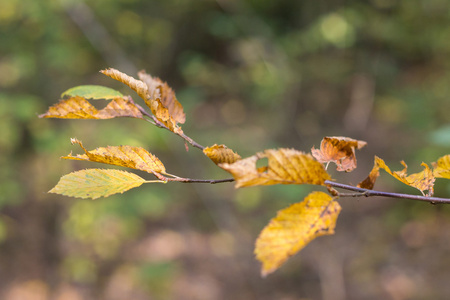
pixel 340 150
pixel 221 154
pixel 136 85
pixel 72 108
pixel 79 108
pixel 158 96
pixel 120 107
pixel 369 182
pixel 125 156
pixel 285 166
pixel 423 181
pixel 442 167
pixel 164 95
pixel 293 228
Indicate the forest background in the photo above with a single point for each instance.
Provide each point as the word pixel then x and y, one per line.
pixel 252 75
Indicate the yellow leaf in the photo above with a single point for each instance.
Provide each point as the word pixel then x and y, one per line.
pixel 369 182
pixel 285 166
pixel 423 181
pixel 79 108
pixel 158 96
pixel 293 228
pixel 125 156
pixel 340 150
pixel 221 154
pixel 442 167
pixel 95 183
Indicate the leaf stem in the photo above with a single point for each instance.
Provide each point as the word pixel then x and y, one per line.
pixel 155 181
pixel 368 193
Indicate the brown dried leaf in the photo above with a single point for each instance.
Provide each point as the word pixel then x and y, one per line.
pixel 79 108
pixel 369 182
pixel 136 85
pixel 164 95
pixel 441 169
pixel 120 107
pixel 221 154
pixel 340 150
pixel 285 166
pixel 293 228
pixel 423 181
pixel 125 156
pixel 158 96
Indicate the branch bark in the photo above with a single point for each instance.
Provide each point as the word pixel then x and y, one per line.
pixel 370 193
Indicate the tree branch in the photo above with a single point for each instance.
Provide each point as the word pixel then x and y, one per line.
pixel 190 180
pixel 368 193
pixel 211 181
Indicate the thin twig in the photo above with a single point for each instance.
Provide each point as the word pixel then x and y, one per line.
pixel 189 180
pixel 191 141
pixel 161 125
pixel 368 193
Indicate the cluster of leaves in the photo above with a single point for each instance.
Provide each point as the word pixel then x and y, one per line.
pixel 293 227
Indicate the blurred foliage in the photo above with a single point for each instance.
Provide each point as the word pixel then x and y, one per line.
pixel 252 75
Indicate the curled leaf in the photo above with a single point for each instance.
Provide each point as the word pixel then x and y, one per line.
pixel 79 108
pixel 136 85
pixel 369 182
pixel 92 92
pixel 423 181
pixel 293 228
pixel 96 183
pixel 158 96
pixel 340 150
pixel 285 166
pixel 441 169
pixel 221 154
pixel 125 156
pixel 162 93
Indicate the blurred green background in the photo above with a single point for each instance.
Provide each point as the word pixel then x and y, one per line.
pixel 252 75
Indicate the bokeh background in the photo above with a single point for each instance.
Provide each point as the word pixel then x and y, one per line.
pixel 252 75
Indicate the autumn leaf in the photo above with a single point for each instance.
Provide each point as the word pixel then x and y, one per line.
pixel 423 181
pixel 442 167
pixel 221 154
pixel 96 183
pixel 285 166
pixel 92 92
pixel 158 96
pixel 125 156
pixel 120 107
pixel 79 108
pixel 340 150
pixel 136 85
pixel 165 95
pixel 293 228
pixel 369 182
